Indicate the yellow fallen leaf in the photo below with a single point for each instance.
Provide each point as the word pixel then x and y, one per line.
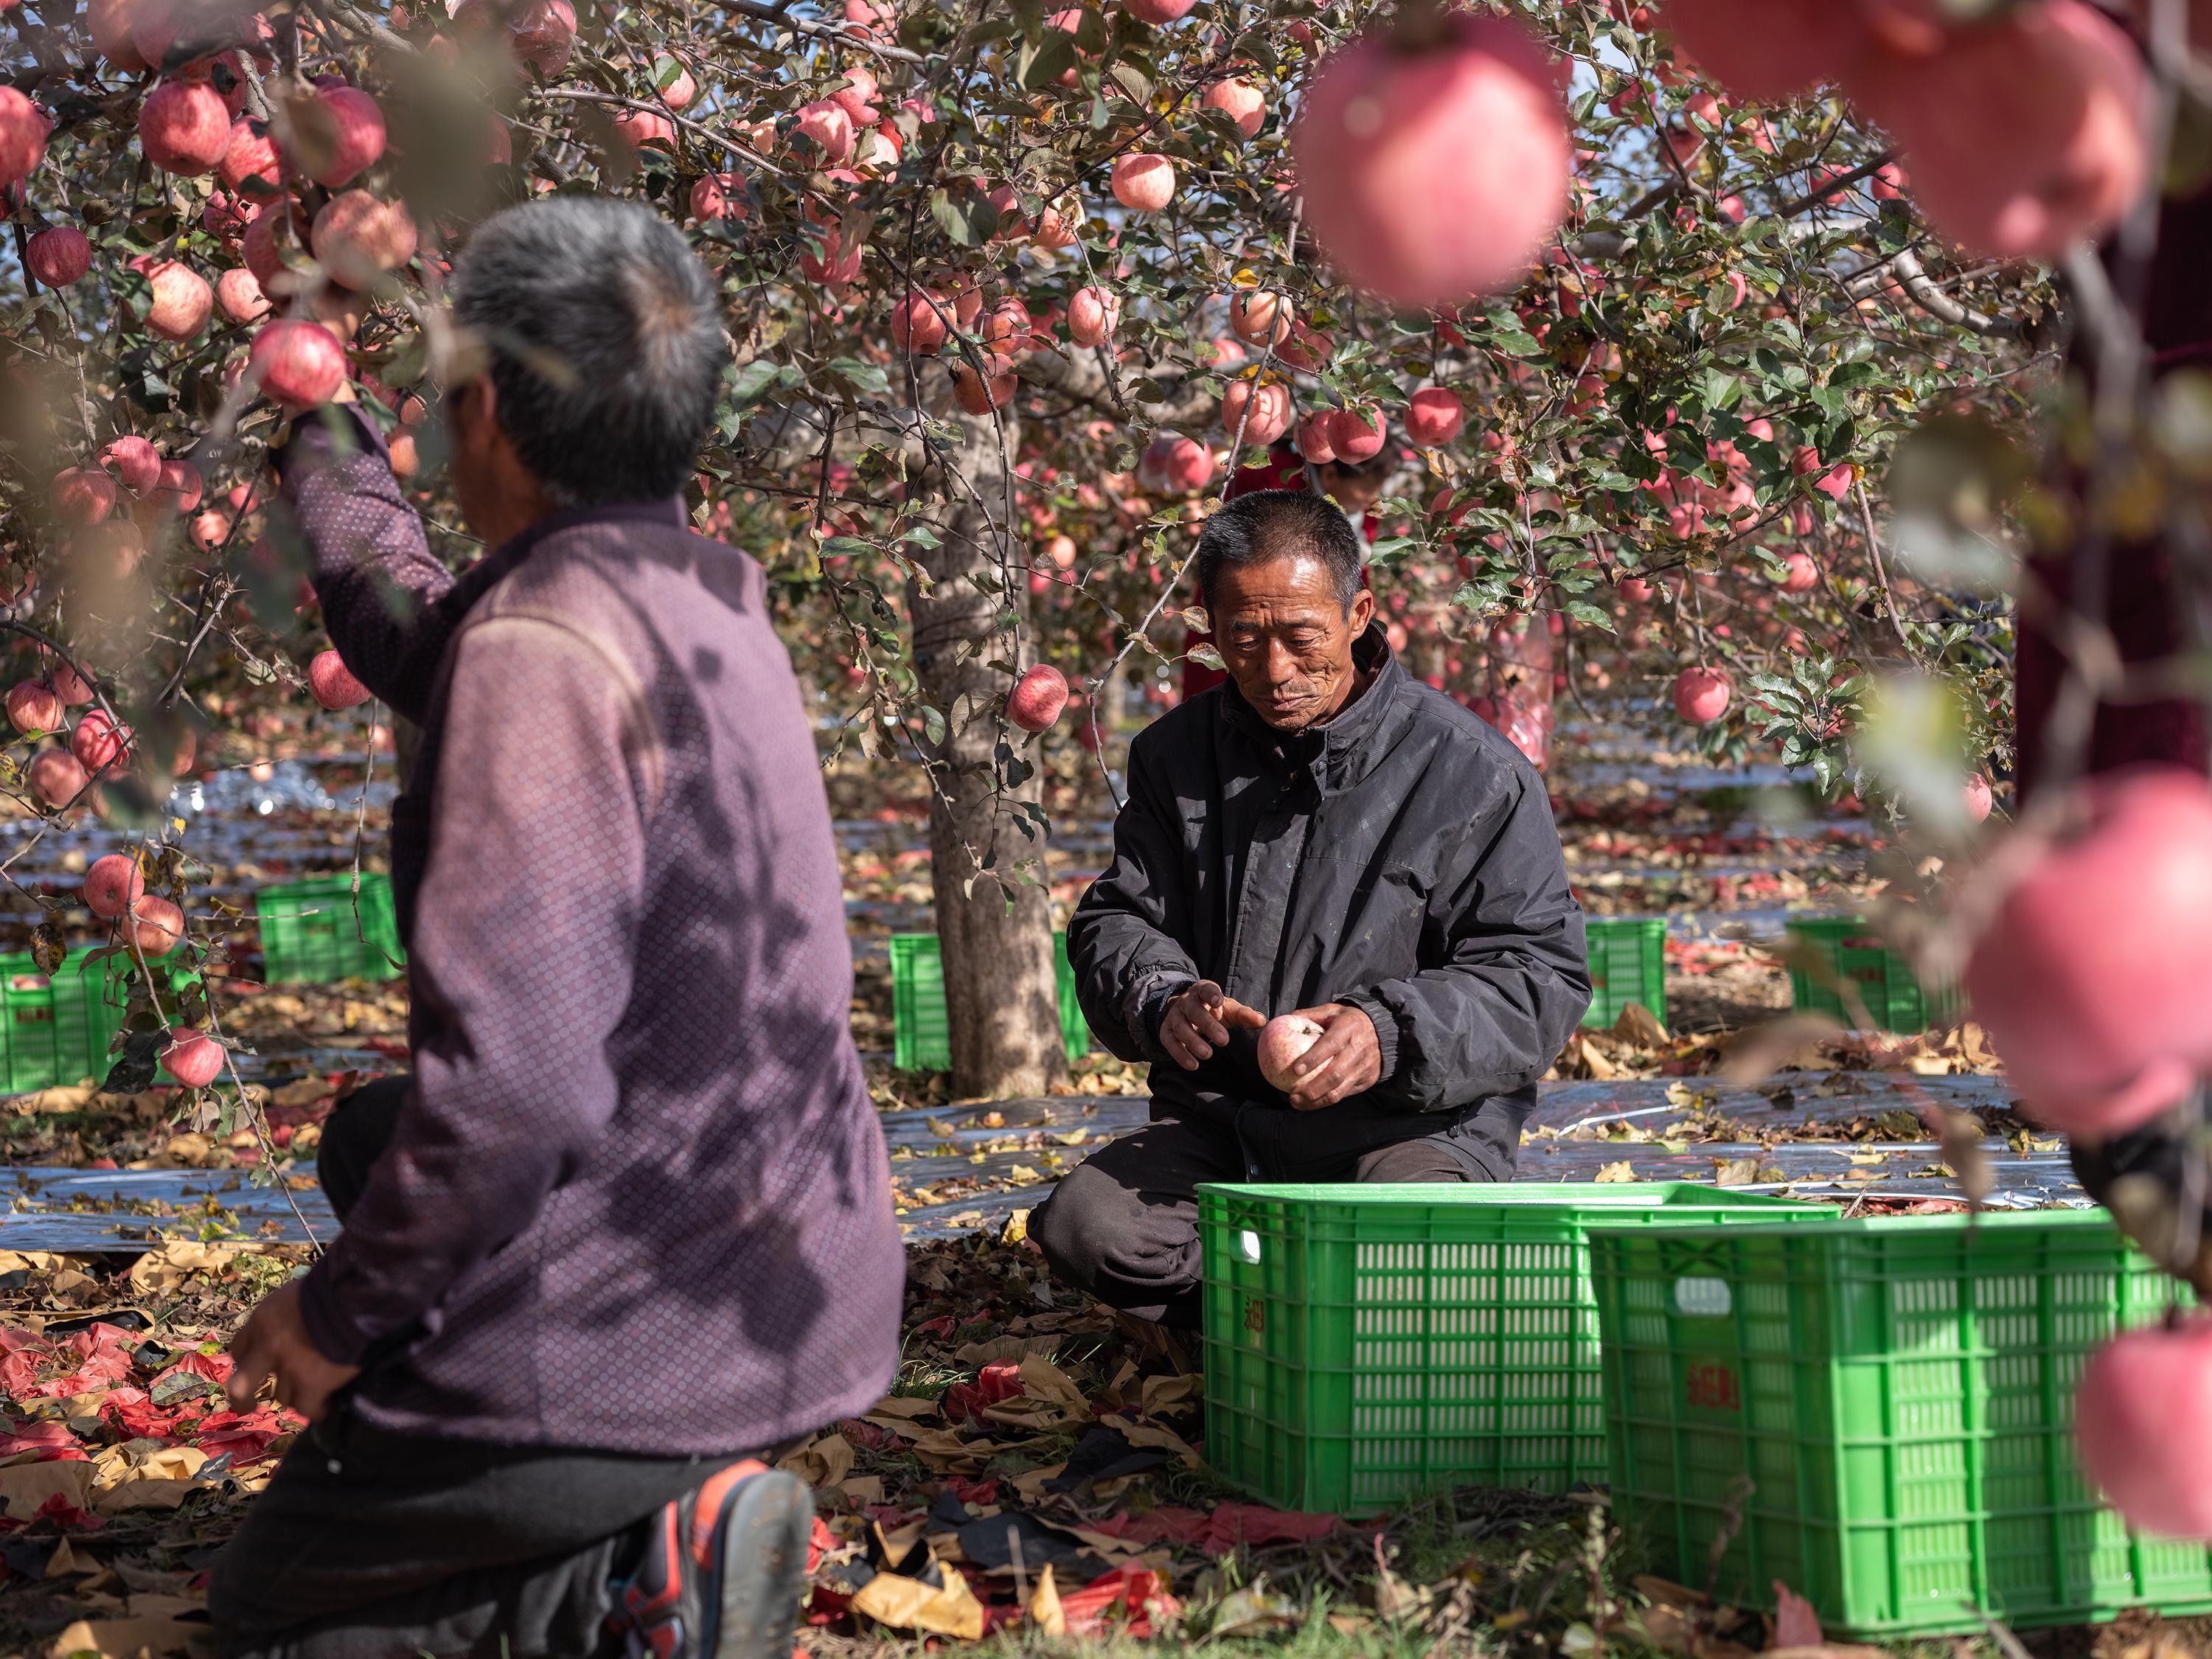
pixel 821 1462
pixel 1154 1434
pixel 25 1488
pixel 1044 1609
pixel 1163 1394
pixel 1104 1544
pixel 945 1449
pixel 909 1604
pixel 903 1405
pixel 137 1460
pixel 163 1270
pixel 1615 1172
pixel 1031 1483
pixel 129 1639
pixel 1045 1383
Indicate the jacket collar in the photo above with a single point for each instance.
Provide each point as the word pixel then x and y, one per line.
pixel 1342 751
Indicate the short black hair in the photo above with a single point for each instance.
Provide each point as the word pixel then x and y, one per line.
pixel 1280 524
pixel 606 341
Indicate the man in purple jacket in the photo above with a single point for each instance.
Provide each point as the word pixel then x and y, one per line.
pixel 629 1225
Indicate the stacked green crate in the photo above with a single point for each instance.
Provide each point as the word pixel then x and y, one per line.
pixel 310 935
pixel 922 1034
pixel 1878 1414
pixel 55 1028
pixel 1627 963
pixel 1848 950
pixel 1366 1344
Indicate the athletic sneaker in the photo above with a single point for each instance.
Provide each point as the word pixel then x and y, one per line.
pixel 724 1570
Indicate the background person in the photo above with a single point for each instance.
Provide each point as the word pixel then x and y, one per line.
pixel 1324 834
pixel 629 1221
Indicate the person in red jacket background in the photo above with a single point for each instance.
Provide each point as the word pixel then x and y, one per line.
pixel 1355 486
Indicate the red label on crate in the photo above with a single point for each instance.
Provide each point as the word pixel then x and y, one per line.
pixel 1709 1385
pixel 1255 1315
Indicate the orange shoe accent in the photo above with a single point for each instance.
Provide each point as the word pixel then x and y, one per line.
pixel 707 1509
pixel 641 1606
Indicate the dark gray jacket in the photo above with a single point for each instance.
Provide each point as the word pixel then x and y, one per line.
pixel 1402 860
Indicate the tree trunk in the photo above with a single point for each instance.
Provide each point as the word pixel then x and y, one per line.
pixel 1001 969
pixel 2153 606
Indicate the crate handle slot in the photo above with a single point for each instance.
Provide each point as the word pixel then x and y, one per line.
pixel 1698 1295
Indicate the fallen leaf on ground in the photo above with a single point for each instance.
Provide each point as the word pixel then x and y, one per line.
pixel 128 1639
pixel 909 1604
pixel 1134 1597
pixel 1795 1622
pixel 161 1271
pixel 821 1462
pixel 1044 1609
pixel 27 1488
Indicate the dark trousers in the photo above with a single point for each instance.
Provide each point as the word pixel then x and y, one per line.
pixel 1123 1225
pixel 369 1545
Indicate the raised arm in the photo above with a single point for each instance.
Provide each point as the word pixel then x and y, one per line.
pixel 1496 1012
pixel 1124 940
pixel 374 571
pixel 512 1080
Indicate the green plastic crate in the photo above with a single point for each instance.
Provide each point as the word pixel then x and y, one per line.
pixel 309 935
pixel 1365 1344
pixel 1896 998
pixel 1878 1414
pixel 54 1029
pixel 1627 963
pixel 922 1037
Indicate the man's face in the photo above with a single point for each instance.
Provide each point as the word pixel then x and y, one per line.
pixel 1286 640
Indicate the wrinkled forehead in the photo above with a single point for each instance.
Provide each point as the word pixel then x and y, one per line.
pixel 1277 589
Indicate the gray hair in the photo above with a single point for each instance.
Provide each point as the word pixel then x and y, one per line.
pixel 1263 525
pixel 605 344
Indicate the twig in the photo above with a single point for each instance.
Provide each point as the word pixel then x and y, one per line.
pixel 1882 575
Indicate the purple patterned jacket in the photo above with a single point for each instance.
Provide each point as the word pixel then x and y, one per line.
pixel 638 1199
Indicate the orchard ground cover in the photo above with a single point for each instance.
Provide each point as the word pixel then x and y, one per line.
pixel 113 1405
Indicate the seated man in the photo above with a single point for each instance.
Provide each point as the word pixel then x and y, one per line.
pixel 1327 836
pixel 629 1225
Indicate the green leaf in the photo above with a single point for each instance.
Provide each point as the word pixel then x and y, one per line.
pixel 759 378
pixel 1582 611
pixel 963 213
pixel 1041 65
pixel 1132 81
pixel 932 723
pixel 867 379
